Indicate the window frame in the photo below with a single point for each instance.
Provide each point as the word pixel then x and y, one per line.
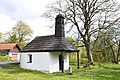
pixel 29 58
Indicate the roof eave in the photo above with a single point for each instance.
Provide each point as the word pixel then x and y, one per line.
pixel 50 50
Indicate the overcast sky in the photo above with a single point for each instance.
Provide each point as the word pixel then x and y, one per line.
pixel 29 11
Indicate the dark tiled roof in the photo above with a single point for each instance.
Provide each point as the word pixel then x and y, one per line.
pixel 49 43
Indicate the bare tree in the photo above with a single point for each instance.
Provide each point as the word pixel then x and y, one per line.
pixel 87 16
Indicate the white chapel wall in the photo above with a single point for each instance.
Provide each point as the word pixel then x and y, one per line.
pixel 54 61
pixel 40 61
pixel 66 61
pixel 44 61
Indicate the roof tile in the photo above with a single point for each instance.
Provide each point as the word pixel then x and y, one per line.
pixel 49 43
pixel 7 46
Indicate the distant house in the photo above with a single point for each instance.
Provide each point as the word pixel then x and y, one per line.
pixel 11 49
pixel 48 53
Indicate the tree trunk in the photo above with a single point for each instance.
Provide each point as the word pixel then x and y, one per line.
pixel 117 58
pixel 104 56
pixel 118 52
pixel 90 59
pixel 114 57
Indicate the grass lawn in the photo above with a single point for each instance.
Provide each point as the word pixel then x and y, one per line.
pixel 108 71
pixel 4 58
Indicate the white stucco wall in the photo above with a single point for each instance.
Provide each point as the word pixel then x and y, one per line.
pixel 66 61
pixel 18 55
pixel 40 61
pixel 54 61
pixel 10 54
pixel 44 61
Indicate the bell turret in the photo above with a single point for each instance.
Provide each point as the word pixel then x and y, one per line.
pixel 59 26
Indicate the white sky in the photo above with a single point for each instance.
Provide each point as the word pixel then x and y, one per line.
pixel 29 11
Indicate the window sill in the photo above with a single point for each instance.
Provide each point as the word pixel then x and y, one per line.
pixel 29 62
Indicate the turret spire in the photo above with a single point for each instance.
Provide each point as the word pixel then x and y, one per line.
pixel 59 26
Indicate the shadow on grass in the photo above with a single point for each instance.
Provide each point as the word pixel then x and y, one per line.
pixel 111 66
pixel 106 74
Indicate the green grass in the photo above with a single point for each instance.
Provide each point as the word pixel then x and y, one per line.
pixel 4 58
pixel 108 71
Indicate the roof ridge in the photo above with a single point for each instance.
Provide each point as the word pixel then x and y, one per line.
pixel 8 43
pixel 46 36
